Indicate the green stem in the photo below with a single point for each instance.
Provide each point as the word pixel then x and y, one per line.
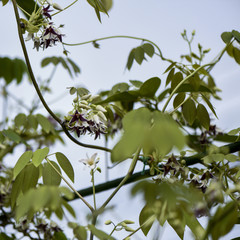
pixel 148 221
pixel 130 172
pixel 64 8
pixel 122 36
pixel 70 186
pixel 38 90
pixel 93 187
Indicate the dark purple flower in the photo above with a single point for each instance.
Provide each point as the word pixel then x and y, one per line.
pixel 46 11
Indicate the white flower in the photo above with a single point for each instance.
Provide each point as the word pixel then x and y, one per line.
pixel 90 161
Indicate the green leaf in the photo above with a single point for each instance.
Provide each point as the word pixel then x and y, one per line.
pixel 16 188
pixel 136 83
pixel 123 96
pixel 227 37
pixel 146 213
pixel 148 49
pixel 21 163
pixel 223 220
pixel 99 233
pixel 59 236
pixel 189 111
pixel 234 132
pixel 44 122
pixel 236 35
pixel 80 232
pixel 177 78
pixel 186 87
pixel 32 120
pixel 203 116
pixel 236 54
pixel 75 67
pixel 130 59
pixel 69 208
pixel 170 67
pixel 178 100
pixel 149 87
pixel 31 175
pixel 20 120
pixel 4 236
pixel 39 155
pixel 231 157
pixel 139 55
pixel 50 176
pixel 170 76
pixel 163 94
pixel 209 104
pixel 13 136
pixel 65 165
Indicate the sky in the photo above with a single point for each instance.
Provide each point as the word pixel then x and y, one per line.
pixel 157 20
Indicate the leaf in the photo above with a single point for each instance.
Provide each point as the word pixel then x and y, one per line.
pixel 139 55
pixel 178 100
pixel 236 54
pixel 16 188
pixel 39 155
pixel 44 122
pixel 21 163
pixel 189 111
pixel 170 76
pixel 223 220
pixel 65 165
pixel 203 116
pixel 130 59
pixel 69 208
pixel 75 67
pixel 148 49
pixel 136 83
pixel 236 35
pixel 80 232
pixel 209 104
pixel 32 120
pixel 20 120
pixel 170 67
pixel 177 78
pixel 227 37
pixel 146 213
pixel 4 2
pixel 149 87
pixel 50 176
pixel 13 136
pixel 123 96
pixel 31 175
pixel 99 233
pixel 186 87
pixel 163 94
pixel 59 236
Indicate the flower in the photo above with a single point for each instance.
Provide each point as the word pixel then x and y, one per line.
pixel 51 36
pixel 90 161
pixel 46 11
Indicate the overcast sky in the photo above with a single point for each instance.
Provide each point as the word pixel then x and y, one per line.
pixel 158 20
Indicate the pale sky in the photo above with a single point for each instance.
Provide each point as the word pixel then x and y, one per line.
pixel 157 20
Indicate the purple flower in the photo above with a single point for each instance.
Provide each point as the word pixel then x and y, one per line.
pixel 46 11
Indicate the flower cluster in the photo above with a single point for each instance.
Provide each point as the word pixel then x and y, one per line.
pixel 40 28
pixel 87 117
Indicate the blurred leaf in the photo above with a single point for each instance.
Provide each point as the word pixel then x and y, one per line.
pixel 203 116
pixel 4 2
pixel 65 165
pixel 136 83
pixel 69 208
pixel 149 87
pixel 12 69
pixel 21 163
pixel 123 96
pixel 223 220
pixel 130 59
pixel 20 120
pixel 189 111
pixel 148 49
pixel 209 104
pixel 75 67
pixel 50 176
pixel 31 175
pixel 99 233
pixel 236 54
pixel 80 232
pixel 39 155
pixel 32 120
pixel 45 123
pixel 227 37
pixel 139 55
pixel 186 87
pixel 145 214
pixel 236 35
pixel 12 135
pixel 59 236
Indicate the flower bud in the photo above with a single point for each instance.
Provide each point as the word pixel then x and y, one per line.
pixel 101 108
pixel 57 6
pixel 108 222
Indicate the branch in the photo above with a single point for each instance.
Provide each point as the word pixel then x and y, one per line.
pixel 191 160
pixel 38 90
